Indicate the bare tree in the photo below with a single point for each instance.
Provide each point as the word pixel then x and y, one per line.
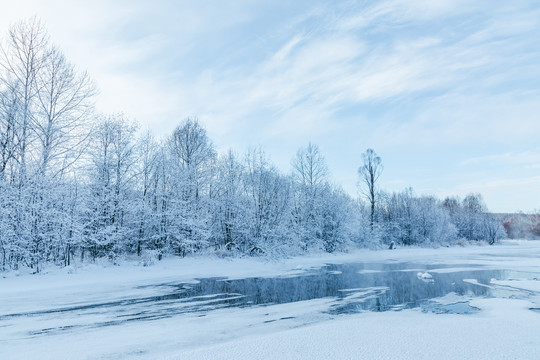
pixel 63 105
pixel 369 172
pixel 191 144
pixel 22 57
pixel 9 108
pixel 309 166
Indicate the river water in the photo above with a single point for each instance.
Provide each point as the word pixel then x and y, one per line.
pixel 350 288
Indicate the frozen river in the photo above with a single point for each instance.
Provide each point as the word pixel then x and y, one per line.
pixel 145 316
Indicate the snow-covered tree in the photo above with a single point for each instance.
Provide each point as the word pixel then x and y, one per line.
pixel 111 172
pixel 229 204
pixel 63 108
pixel 192 159
pixel 22 58
pixel 75 185
pixel 310 190
pixel 268 205
pixel 369 172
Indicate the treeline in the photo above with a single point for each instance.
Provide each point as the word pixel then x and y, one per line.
pixel 77 185
pixel 521 226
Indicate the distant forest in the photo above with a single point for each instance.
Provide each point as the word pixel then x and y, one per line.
pixel 78 185
pixel 521 226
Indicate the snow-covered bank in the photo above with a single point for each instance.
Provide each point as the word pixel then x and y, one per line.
pixel 58 286
pixel 504 328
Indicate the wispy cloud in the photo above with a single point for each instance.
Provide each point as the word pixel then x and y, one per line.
pixel 526 157
pixel 426 83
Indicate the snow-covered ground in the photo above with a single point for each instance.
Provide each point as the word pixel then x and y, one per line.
pixel 108 312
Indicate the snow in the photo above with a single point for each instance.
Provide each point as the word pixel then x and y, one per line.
pixel 425 276
pixel 525 284
pixel 504 328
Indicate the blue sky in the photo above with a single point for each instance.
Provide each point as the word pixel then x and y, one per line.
pixel 446 92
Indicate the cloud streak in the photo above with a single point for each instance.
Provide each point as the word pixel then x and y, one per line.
pixel 426 83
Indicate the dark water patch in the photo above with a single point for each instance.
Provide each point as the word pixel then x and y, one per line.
pixel 393 285
pixel 282 318
pixel 350 288
pixel 461 307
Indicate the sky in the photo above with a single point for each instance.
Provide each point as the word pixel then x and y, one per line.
pixel 447 92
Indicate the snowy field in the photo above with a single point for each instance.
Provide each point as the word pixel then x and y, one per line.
pixel 448 303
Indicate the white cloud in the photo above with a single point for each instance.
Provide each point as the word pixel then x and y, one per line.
pixel 396 75
pixel 526 157
pixel 396 12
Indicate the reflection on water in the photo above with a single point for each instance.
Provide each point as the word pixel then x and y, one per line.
pixel 391 286
pixel 348 287
pixel 460 307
